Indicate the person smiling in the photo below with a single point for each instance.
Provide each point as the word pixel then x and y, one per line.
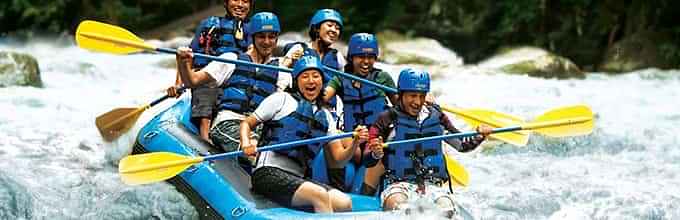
pixel 414 170
pixel 215 36
pixel 361 103
pixel 325 28
pixel 244 86
pixel 284 176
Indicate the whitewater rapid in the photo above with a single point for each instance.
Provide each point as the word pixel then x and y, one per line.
pixel 54 165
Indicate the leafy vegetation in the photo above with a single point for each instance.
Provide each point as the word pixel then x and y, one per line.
pixel 64 15
pixel 581 30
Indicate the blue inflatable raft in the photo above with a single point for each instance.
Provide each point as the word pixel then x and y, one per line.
pixel 221 189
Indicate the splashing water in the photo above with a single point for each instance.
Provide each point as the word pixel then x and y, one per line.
pixel 54 164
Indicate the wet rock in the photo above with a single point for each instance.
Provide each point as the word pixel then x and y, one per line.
pixel 19 69
pixel 398 49
pixel 638 51
pixel 534 62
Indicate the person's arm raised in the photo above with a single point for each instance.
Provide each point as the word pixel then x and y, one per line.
pixel 187 75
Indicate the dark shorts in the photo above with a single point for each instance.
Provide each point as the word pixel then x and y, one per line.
pixel 204 101
pixel 336 178
pixel 227 135
pixel 278 185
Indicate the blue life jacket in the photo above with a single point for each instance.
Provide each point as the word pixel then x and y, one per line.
pixel 362 105
pixel 321 175
pixel 407 162
pixel 303 123
pixel 330 59
pixel 248 86
pixel 215 36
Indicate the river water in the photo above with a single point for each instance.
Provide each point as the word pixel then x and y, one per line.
pixel 54 165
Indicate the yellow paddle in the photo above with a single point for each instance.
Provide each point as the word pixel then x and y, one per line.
pixel 108 38
pixel 102 37
pixel 116 122
pixel 477 117
pixel 159 166
pixel 458 176
pixel 561 122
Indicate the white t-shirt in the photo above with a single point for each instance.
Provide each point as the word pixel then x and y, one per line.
pixel 281 104
pixel 221 72
pixel 275 107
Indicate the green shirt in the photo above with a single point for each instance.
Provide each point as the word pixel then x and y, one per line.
pixel 383 78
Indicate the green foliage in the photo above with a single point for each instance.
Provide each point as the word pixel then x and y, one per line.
pixel 358 16
pixel 671 50
pixel 578 29
pixel 64 15
pixel 17 14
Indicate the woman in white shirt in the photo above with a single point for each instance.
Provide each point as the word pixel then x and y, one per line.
pixel 284 175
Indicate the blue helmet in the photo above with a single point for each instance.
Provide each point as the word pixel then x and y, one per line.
pixel 264 22
pixel 362 43
pixel 326 15
pixel 411 80
pixel 307 62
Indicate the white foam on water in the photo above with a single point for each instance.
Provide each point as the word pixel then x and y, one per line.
pixel 626 169
pixel 51 147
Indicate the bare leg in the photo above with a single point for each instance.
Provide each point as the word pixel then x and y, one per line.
pixel 311 194
pixel 392 201
pixel 205 129
pixel 373 174
pixel 341 201
pixel 445 202
pixel 322 200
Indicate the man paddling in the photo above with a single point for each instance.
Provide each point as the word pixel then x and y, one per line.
pixel 361 103
pixel 244 86
pixel 418 170
pixel 215 36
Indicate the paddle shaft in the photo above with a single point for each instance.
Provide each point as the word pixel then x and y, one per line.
pixel 192 160
pixel 362 80
pixel 472 116
pixel 141 109
pixel 528 126
pixel 144 46
pixel 282 69
pixel 159 100
pixel 282 145
pixel 220 59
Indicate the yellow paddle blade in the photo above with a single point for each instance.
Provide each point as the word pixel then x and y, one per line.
pixel 116 122
pixel 153 167
pixel 476 117
pixel 459 176
pixel 564 122
pixel 102 37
